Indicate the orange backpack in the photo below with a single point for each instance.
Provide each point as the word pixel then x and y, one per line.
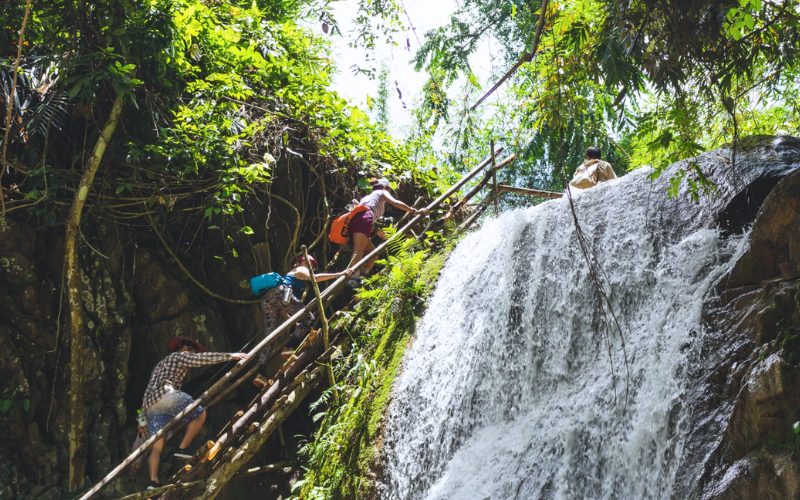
pixel 340 227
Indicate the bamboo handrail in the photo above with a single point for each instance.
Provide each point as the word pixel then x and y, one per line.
pixel 504 188
pixel 220 477
pixel 283 327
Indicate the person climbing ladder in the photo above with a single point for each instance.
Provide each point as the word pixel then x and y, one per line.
pixel 163 400
pixel 280 299
pixel 360 228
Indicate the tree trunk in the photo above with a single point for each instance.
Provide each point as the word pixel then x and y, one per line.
pixel 77 399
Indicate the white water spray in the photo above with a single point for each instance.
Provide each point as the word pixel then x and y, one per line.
pixel 508 390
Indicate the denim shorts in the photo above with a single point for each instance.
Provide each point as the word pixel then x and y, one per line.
pixel 165 409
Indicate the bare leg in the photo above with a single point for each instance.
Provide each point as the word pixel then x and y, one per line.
pixel 360 244
pixel 155 458
pixel 371 262
pixel 270 309
pixel 192 429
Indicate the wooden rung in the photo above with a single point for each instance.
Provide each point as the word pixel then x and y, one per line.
pixel 213 451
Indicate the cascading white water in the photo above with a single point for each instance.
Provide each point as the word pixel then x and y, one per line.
pixel 509 390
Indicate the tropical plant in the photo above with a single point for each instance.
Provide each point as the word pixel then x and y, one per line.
pixel 648 81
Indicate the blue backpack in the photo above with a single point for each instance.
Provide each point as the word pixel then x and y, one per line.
pixel 263 282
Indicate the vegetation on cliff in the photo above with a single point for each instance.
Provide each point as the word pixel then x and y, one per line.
pixel 343 457
pixel 173 148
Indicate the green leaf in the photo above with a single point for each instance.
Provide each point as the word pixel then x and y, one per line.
pixel 5 405
pixel 247 230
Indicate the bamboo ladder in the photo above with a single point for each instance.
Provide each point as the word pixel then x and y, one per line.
pixel 291 392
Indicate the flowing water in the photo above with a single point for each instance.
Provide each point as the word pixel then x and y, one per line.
pixel 518 383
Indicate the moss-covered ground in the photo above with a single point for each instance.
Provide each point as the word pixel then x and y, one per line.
pixel 342 459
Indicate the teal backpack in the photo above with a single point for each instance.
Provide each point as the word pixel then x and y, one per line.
pixel 263 282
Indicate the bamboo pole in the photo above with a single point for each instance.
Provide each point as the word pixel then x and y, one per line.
pixel 481 208
pixel 227 392
pixel 247 451
pixel 494 175
pixel 322 316
pixel 177 487
pixel 292 368
pixel 270 338
pixel 503 188
pixel 266 469
pixel 161 490
pixel 482 184
pixel 285 380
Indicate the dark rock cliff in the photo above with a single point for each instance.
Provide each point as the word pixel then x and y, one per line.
pixel 747 392
pixel 136 299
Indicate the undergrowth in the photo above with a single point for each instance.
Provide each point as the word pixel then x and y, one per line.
pixel 342 457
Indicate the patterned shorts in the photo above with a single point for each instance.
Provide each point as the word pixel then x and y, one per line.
pixel 166 408
pixel 276 311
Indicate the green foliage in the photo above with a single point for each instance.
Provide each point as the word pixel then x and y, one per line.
pixel 221 95
pixel 341 455
pixel 648 83
pixel 382 101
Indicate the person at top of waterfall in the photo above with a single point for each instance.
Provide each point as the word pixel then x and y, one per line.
pixel 282 301
pixel 163 400
pixel 362 224
pixel 593 171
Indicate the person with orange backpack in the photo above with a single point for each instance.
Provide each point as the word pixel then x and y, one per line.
pixel 360 223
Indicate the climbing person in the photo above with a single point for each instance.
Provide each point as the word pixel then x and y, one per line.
pixel 361 225
pixel 281 300
pixel 163 399
pixel 593 171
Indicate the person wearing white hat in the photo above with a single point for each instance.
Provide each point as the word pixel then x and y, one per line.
pixel 361 225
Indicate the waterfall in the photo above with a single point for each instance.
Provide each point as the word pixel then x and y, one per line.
pixel 517 383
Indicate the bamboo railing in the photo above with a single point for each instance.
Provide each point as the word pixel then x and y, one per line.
pixel 273 337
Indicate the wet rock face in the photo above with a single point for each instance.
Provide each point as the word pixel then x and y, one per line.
pixel 775 240
pixel 134 299
pixel 750 398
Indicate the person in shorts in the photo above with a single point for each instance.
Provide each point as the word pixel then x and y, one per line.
pixel 283 301
pixel 164 400
pixel 361 225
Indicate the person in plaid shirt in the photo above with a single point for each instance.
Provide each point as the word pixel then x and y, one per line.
pixel 163 399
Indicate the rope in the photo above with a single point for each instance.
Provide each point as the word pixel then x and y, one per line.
pixel 595 271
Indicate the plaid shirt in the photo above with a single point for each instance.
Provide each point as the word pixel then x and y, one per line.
pixel 173 369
